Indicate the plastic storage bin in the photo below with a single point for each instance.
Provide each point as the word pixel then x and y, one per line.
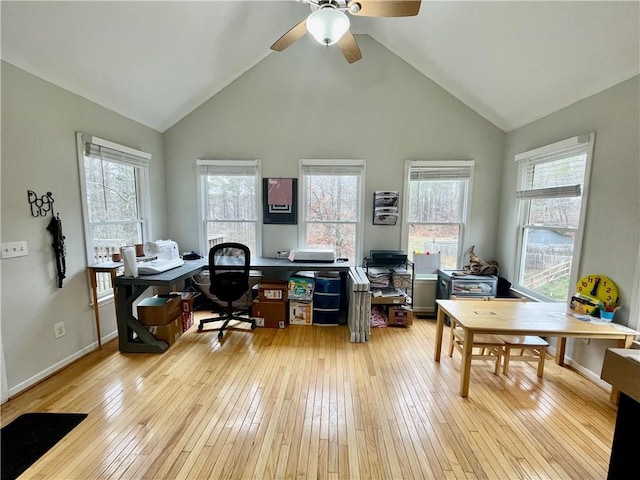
pixel 327 284
pixel 322 316
pixel 326 300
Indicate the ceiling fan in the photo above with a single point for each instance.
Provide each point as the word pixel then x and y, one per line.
pixel 329 24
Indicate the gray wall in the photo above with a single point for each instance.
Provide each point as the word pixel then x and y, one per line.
pixel 612 228
pixel 39 121
pixel 289 106
pixel 305 103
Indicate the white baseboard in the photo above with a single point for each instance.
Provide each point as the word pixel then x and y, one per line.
pixel 588 374
pixel 12 392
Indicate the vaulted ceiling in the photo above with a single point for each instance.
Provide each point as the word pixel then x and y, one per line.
pixel 155 62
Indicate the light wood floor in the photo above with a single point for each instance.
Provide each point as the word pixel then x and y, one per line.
pixel 305 403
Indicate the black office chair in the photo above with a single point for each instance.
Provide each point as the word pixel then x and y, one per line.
pixel 229 274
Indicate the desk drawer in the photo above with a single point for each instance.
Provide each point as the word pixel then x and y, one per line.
pixel 326 300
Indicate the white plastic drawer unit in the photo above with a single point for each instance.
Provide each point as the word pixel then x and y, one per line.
pixel 424 293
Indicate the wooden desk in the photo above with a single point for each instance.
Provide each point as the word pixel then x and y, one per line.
pixel 104 267
pixel 520 318
pixel 128 289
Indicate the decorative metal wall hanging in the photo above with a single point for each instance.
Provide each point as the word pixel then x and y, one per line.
pixel 40 206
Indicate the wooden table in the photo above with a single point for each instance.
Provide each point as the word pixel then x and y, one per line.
pixel 547 319
pixel 104 267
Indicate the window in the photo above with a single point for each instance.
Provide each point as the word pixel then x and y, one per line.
pixel 331 206
pixel 436 204
pixel 230 211
pixel 551 192
pixel 115 192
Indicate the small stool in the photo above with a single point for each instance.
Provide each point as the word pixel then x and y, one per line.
pixel 535 345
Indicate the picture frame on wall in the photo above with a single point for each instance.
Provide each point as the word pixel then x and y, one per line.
pixel 280 201
pixel 385 207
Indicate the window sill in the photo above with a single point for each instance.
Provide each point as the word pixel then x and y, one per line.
pixel 105 300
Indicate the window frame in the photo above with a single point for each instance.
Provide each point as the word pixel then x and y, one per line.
pixel 232 166
pixel 564 148
pixel 465 200
pixel 141 169
pixel 326 167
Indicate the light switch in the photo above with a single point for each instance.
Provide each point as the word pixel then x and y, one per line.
pixel 14 249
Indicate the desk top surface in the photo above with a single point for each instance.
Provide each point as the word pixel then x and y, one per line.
pixel 521 318
pixel 191 267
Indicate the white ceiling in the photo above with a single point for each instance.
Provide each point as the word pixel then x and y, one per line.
pixel 155 62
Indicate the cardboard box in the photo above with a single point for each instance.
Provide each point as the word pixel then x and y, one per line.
pixel 400 316
pixel 269 314
pixel 584 304
pixel 159 310
pixel 169 333
pixel 272 291
pixel 187 300
pixel 187 321
pixel 300 313
pixel 395 300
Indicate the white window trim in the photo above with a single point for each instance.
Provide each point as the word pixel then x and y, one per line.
pixel 585 142
pixel 466 207
pixel 142 186
pixel 202 221
pixel 302 195
pixel 635 300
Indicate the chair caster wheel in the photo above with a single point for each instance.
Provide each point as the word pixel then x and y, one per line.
pixel 220 335
pixel 200 327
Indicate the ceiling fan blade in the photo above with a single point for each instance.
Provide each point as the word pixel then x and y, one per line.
pixel 349 47
pixel 291 36
pixel 385 8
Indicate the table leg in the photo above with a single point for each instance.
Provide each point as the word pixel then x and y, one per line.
pixel 439 332
pixel 465 368
pixel 561 346
pixel 96 308
pixel 115 290
pixel 128 325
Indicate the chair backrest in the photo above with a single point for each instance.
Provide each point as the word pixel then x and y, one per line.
pixel 229 266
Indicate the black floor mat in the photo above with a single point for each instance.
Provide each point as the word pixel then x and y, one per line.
pixel 30 436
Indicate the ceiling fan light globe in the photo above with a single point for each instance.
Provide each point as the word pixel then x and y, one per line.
pixel 327 25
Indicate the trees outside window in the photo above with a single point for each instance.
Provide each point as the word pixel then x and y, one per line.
pixel 115 186
pixel 436 204
pixel 552 190
pixel 229 192
pixel 332 206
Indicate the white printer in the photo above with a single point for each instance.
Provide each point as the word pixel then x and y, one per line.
pixel 312 255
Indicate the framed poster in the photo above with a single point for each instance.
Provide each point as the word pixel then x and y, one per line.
pixel 280 201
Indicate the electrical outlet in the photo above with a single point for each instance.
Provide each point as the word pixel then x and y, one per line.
pixel 14 249
pixel 58 329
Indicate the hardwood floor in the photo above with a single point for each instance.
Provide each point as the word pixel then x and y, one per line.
pixel 305 403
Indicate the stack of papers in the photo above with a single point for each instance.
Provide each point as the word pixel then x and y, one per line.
pixel 378 277
pixel 386 292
